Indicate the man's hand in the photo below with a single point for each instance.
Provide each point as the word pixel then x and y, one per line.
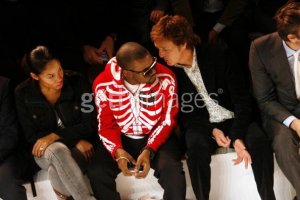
pixel 212 36
pixel 107 46
pixel 91 55
pixel 221 140
pixel 123 158
pixel 144 161
pixel 85 148
pixel 242 153
pixel 295 125
pixel 42 143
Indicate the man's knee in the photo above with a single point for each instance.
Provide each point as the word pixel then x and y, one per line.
pixel 6 171
pixel 200 149
pixel 196 140
pixel 283 141
pixel 169 165
pixel 101 170
pixel 8 181
pixel 256 138
pixel 98 171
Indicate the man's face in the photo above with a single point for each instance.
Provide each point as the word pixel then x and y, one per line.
pixel 297 41
pixel 171 53
pixel 142 71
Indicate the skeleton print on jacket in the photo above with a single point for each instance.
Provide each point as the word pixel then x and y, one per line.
pixel 150 111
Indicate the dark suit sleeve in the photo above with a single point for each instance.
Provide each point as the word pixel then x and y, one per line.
pixel 8 121
pixel 263 86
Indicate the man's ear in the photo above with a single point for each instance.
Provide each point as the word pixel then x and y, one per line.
pixel 182 46
pixel 34 76
pixel 291 37
pixel 125 73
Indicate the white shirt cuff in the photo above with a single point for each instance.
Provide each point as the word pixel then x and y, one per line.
pixel 219 27
pixel 289 120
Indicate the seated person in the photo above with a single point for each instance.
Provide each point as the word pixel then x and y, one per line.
pixel 216 106
pixel 97 56
pixel 274 65
pixel 10 158
pixel 136 102
pixel 61 133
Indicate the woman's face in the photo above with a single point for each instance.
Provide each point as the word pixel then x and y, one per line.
pixel 52 76
pixel 171 53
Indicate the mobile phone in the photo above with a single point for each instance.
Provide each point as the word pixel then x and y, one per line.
pixel 104 56
pixel 131 167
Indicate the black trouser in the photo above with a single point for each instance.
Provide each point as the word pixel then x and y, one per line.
pixel 10 179
pixel 286 147
pixel 200 146
pixel 103 169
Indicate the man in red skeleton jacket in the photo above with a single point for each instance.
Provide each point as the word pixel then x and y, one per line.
pixel 136 101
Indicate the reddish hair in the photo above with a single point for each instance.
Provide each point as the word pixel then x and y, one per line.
pixel 175 28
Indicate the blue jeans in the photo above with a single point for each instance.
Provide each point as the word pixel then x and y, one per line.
pixel 64 172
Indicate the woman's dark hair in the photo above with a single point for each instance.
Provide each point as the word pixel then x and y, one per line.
pixel 37 59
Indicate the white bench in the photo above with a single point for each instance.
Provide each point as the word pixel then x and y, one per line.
pixel 242 185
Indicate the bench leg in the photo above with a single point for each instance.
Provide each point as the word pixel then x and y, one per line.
pixel 33 189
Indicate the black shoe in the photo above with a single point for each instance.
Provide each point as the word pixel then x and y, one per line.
pixel 295 198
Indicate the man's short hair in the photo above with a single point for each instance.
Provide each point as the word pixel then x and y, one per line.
pixel 129 52
pixel 287 20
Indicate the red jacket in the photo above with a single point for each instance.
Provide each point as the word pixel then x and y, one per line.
pixel 151 111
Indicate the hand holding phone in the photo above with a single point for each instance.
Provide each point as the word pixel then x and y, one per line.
pixel 131 167
pixel 104 56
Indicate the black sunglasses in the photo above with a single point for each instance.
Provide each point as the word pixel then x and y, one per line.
pixel 147 70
